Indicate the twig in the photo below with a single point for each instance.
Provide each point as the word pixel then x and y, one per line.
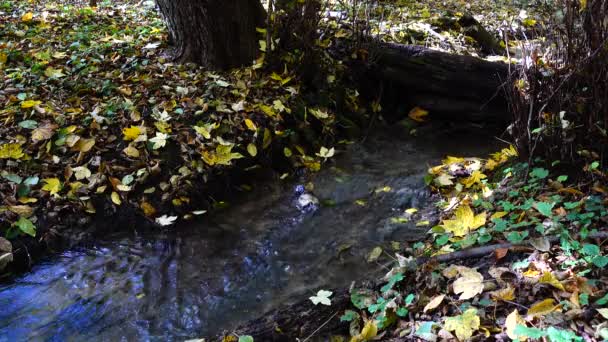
pixel 484 250
pixel 320 327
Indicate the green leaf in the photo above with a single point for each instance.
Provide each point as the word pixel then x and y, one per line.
pixel 539 173
pixel 245 338
pixel 583 298
pixel 517 237
pixel 544 208
pixel 349 315
pixel 602 301
pixel 600 261
pixel 402 312
pixel 392 281
pixel 591 249
pixel 409 299
pixel 559 335
pixel 11 177
pixel 28 124
pixel 562 178
pixel 523 331
pixel 26 226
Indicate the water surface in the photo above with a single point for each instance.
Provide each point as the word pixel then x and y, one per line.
pixel 231 266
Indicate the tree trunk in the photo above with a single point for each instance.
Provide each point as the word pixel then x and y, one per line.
pixel 219 34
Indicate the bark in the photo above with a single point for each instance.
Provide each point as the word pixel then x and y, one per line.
pixel 450 86
pixel 219 34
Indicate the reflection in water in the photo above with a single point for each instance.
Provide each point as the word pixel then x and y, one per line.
pixel 263 251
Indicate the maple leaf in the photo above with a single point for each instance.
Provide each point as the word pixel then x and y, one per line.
pixel 11 151
pixel 469 284
pixel 463 325
pixel 464 222
pixel 131 133
pixel 474 178
pixel 52 185
pixel 160 140
pixel 322 297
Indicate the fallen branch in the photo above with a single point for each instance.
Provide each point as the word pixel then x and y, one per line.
pixel 484 250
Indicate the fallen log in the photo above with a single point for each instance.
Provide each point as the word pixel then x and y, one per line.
pixel 455 87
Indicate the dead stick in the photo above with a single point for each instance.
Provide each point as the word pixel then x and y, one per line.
pixel 484 250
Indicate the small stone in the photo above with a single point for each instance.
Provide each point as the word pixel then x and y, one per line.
pixel 5 246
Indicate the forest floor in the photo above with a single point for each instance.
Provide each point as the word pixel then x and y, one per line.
pixel 98 122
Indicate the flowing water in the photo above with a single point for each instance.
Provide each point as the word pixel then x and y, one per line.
pixel 268 248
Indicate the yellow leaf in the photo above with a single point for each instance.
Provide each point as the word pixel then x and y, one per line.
pixel 43 132
pixel 463 325
pixel 253 151
pixel 503 294
pixel 549 278
pixel 464 221
pixel 498 214
pixel 116 198
pixel 11 151
pixel 27 17
pixel 474 178
pixel 131 133
pixel 417 114
pixel 250 125
pixel 369 331
pixel 267 110
pixel 148 209
pixel 267 138
pixel 542 308
pixel 30 104
pixel 511 323
pixel 469 284
pixel 131 151
pixel 84 145
pixel 452 160
pixel 52 185
pixel 434 303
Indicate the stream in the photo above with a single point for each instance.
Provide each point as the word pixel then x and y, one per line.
pixel 274 245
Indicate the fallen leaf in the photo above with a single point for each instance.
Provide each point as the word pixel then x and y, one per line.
pixel 322 297
pixel 369 331
pixel 374 254
pixel 52 185
pixel 469 284
pixel 418 114
pixel 464 221
pixel 511 323
pixel 542 308
pixel 463 325
pixel 506 294
pixel 434 303
pixel 549 278
pixel 115 198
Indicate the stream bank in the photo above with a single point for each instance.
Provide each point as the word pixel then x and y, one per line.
pixel 261 252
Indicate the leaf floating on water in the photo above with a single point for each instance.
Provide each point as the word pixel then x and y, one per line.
pixel 374 254
pixel 418 114
pixel 322 297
